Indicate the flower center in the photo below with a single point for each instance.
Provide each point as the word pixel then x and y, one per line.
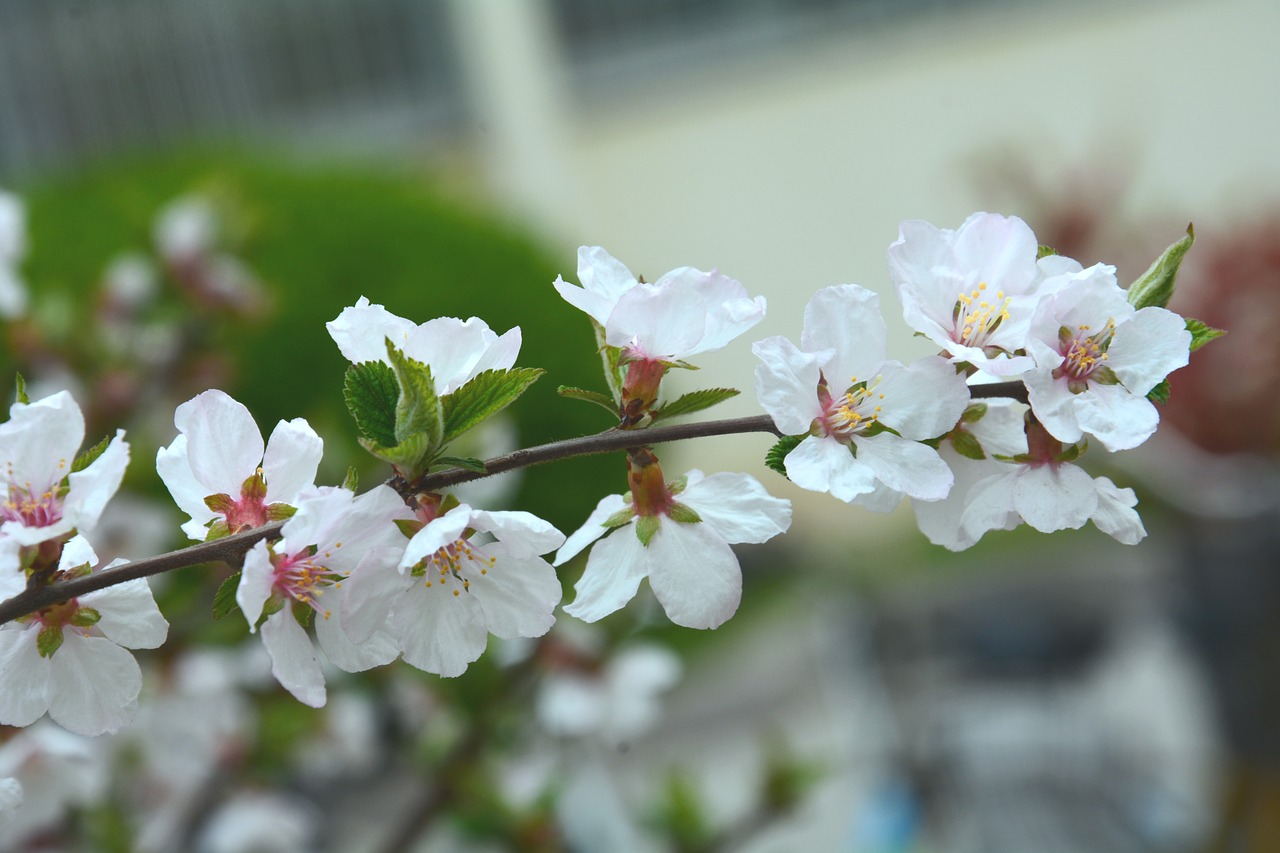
pixel 853 413
pixel 976 317
pixel 1083 354
pixel 31 508
pixel 303 577
pixel 450 567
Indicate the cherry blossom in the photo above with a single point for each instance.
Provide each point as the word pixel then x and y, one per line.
pixel 43 498
pixel 1097 358
pixel 333 534
pixel 465 574
pixel 219 474
pixel 678 536
pixel 864 416
pixel 455 350
pixel 13 238
pixel 53 772
pixel 618 701
pixel 70 659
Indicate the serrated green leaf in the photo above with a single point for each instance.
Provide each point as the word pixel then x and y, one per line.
pixel 1160 393
pixel 776 457
pixel 646 527
pixel 484 396
pixel 88 457
pixel 1156 285
pixel 371 394
pixel 224 600
pixel 418 411
pixel 1045 251
pixel 409 456
pixel 694 401
pixel 351 482
pixel 684 514
pixel 1202 333
pixel 470 463
pixel 20 389
pixel 601 400
pixel 967 445
pixel 49 640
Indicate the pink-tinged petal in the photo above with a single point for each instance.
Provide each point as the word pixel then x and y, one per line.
pixel 1149 347
pixel 847 320
pixel 370 592
pixel 924 399
pixel 451 348
pixel 604 279
pixel 1115 515
pixel 77 552
pixel 614 571
pixel 379 649
pixel 1117 418
pixel 940 521
pixel 787 383
pixel 905 466
pixel 293 659
pixel 518 594
pixel 922 267
pixel 826 465
pixel 188 494
pixel 1054 405
pixel 591 530
pixel 500 355
pixel 736 506
pixel 1051 499
pixel 224 445
pixel 662 322
pixel 367 524
pixel 1001 250
pixel 129 614
pixel 92 488
pixel 320 509
pixel 522 534
pixel 40 441
pixel 257 577
pixel 290 461
pixel 438 631
pixel 438 533
pixel 93 685
pixel 694 574
pixel 361 331
pixel 728 308
pixel 25 676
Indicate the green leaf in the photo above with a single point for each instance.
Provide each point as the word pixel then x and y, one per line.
pixel 974 412
pixel 967 445
pixel 694 401
pixel 601 400
pixel 484 396
pixel 776 457
pixel 1155 286
pixel 684 514
pixel 351 482
pixel 371 394
pixel 1202 333
pixel 619 518
pixel 418 411
pixel 470 463
pixel 1160 393
pixel 273 606
pixel 409 526
pixel 1045 251
pixel 218 529
pixel 224 600
pixel 408 456
pixel 88 457
pixel 646 527
pixel 49 640
pixel 610 360
pixel 20 389
pixel 302 614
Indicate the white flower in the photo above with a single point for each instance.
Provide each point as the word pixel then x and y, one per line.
pixel 332 535
pixel 38 445
pixel 618 701
pixel 687 528
pixel 70 659
pixel 13 245
pixel 682 314
pixel 54 771
pixel 1097 358
pixel 261 822
pixel 971 291
pixel 453 588
pixel 864 416
pixel 454 349
pixel 218 458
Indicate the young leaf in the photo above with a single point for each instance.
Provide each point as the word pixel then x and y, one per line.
pixel 49 640
pixel 1155 286
pixel 20 389
pixel 694 401
pixel 1044 251
pixel 87 457
pixel 601 400
pixel 484 396
pixel 967 445
pixel 409 456
pixel 470 463
pixel 224 600
pixel 1160 393
pixel 371 394
pixel 776 457
pixel 418 411
pixel 1202 333
pixel 352 481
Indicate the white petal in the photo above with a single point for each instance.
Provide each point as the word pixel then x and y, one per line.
pixel 293 659
pixel 519 594
pixel 662 322
pixel 438 631
pixel 1001 249
pixel 1115 515
pixel 25 676
pixel 614 571
pixel 12 579
pixel 787 383
pixel 603 278
pixel 40 440
pixel 76 552
pixel 188 494
pixel 1049 499
pixel 989 504
pixel 93 685
pixel 451 348
pixel 923 400
pixel 438 533
pixel 257 577
pixel 224 445
pixel 91 488
pixel 379 649
pixel 291 459
pixel 737 507
pixel 846 319
pixel 694 573
pixel 591 530
pixel 361 331
pixel 370 592
pixel 1118 418
pixel 941 521
pixel 1002 430
pixel 1149 347
pixel 1054 405
pixel 569 705
pixel 129 614
pixel 522 534
pixel 826 465
pixel 906 466
pixel 500 355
